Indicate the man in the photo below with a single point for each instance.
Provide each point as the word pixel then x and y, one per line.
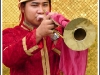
pixel 33 47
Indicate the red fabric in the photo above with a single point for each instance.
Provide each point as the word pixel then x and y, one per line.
pixel 61 20
pixel 70 62
pixel 73 62
pixel 18 61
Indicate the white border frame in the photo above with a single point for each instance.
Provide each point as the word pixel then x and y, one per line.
pixel 97 41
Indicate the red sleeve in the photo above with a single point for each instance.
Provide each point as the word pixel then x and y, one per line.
pixel 14 46
pixel 57 47
pixel 62 22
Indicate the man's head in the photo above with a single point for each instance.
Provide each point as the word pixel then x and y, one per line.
pixel 31 9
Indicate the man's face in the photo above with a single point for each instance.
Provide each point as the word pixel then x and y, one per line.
pixel 33 9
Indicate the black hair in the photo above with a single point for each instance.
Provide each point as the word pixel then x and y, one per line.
pixel 50 2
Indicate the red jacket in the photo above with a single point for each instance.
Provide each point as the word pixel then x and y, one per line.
pixel 24 57
pixel 44 59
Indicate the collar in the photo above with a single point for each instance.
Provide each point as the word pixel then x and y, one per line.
pixel 27 27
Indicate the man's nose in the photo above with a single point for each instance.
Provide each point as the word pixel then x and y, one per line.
pixel 40 10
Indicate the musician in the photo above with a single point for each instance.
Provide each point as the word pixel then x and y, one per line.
pixel 33 48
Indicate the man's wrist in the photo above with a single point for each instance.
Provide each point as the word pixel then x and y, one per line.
pixel 55 36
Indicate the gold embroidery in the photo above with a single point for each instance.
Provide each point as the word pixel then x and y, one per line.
pixel 28 52
pixel 57 51
pixel 43 62
pixel 33 48
pixel 27 27
pixel 24 43
pixel 61 73
pixel 45 59
pixel 6 47
pixel 24 27
pixel 30 27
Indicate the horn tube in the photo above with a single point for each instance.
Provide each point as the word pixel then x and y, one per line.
pixel 79 34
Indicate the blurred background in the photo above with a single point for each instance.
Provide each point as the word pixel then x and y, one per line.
pixel 71 9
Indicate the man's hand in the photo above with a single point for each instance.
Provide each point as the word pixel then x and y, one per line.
pixel 46 27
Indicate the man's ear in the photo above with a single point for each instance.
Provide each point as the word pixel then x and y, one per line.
pixel 22 7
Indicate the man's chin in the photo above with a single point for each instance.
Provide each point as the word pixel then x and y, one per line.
pixel 38 23
pixel 40 20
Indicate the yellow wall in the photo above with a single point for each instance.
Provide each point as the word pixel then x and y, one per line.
pixel 70 9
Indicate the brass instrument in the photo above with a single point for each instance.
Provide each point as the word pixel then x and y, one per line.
pixel 79 34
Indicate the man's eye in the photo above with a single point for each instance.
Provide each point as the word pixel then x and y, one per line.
pixel 34 5
pixel 45 4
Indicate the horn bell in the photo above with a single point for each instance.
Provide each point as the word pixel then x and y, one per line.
pixel 79 34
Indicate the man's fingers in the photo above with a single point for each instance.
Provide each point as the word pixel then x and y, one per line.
pixel 51 27
pixel 49 15
pixel 51 31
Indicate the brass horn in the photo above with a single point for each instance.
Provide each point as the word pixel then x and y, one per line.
pixel 79 34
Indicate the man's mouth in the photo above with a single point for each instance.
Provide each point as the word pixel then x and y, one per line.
pixel 40 17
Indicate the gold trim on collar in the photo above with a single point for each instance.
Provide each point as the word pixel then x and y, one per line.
pixel 24 27
pixel 30 27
